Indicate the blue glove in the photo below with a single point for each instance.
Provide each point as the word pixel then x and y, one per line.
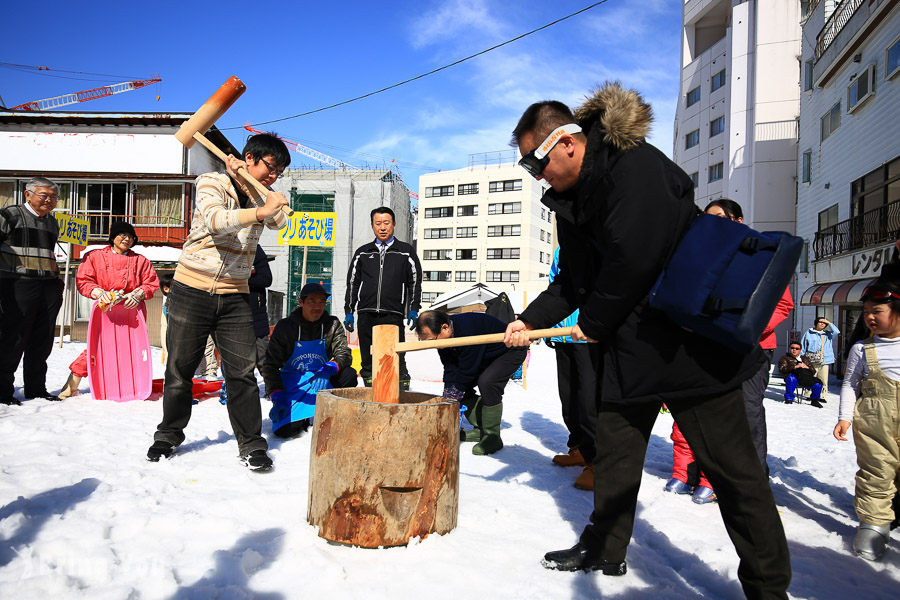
pixel 348 322
pixel 454 393
pixel 411 319
pixel 277 396
pixel 328 370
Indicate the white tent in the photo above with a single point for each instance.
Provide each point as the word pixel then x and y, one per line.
pixel 474 294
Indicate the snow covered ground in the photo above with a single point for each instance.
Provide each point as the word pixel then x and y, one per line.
pixel 84 515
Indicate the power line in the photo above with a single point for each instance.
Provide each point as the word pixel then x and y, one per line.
pixel 410 80
pixel 42 70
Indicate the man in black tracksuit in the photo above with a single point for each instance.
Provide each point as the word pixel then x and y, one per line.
pixel 621 208
pixel 384 284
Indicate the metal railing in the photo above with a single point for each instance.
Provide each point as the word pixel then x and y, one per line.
pixel 870 228
pixel 149 228
pixel 835 23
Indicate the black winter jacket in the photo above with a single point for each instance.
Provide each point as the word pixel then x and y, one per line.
pixel 295 329
pixel 392 283
pixel 617 228
pixel 260 279
pixel 463 365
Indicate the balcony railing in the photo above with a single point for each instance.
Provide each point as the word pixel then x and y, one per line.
pixel 835 24
pixel 874 227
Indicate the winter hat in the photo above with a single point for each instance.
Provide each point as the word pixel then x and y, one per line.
pixel 118 227
pixel 313 288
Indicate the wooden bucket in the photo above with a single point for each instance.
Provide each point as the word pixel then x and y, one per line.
pixel 381 474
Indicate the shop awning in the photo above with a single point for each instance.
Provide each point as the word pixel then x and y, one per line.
pixel 842 292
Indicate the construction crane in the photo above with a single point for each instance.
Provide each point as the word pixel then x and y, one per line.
pixel 100 92
pixel 314 154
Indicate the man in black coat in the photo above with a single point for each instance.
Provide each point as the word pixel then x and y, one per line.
pixel 384 284
pixel 260 280
pixel 621 208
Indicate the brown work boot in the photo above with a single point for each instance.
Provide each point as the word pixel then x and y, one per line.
pixel 572 459
pixel 585 481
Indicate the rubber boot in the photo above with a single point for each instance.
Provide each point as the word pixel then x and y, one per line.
pixel 71 387
pixel 490 427
pixel 790 385
pixel 473 416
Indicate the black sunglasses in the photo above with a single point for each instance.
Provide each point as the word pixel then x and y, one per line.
pixel 537 160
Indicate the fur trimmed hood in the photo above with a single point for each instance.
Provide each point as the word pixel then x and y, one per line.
pixel 623 116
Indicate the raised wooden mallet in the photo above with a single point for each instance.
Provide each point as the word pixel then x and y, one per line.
pixel 193 129
pixel 386 346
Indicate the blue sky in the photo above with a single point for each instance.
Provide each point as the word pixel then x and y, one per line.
pixel 299 56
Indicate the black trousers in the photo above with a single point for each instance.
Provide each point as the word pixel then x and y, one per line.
pixel 368 320
pixel 577 366
pixel 493 379
pixel 716 429
pixel 28 309
pixel 754 390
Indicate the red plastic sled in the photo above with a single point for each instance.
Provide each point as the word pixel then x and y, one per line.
pixel 200 388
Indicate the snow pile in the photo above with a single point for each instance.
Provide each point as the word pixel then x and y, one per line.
pixel 83 515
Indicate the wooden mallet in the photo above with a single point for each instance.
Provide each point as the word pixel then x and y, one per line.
pixel 386 346
pixel 193 129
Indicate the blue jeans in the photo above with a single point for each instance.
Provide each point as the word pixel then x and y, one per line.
pixel 193 315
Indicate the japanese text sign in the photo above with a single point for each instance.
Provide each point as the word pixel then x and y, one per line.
pixel 72 229
pixel 309 229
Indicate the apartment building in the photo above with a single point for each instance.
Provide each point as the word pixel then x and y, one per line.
pixel 482 224
pixel 848 199
pixel 736 122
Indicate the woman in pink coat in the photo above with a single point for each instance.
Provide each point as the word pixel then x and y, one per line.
pixel 115 267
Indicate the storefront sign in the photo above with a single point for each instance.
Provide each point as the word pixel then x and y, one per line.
pixel 309 229
pixel 856 265
pixel 72 229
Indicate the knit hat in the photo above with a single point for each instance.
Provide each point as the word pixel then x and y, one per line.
pixel 117 227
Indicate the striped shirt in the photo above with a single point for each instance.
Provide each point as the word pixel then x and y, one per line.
pixel 27 244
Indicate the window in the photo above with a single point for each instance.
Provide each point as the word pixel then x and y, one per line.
pixel 429 297
pixel 861 88
pixel 437 254
pixel 828 217
pixel 470 210
pixel 542 235
pixel 7 193
pixel 436 213
pixel 505 208
pixel 465 189
pixel 692 139
pixel 437 192
pixel 806 167
pixel 513 185
pixel 157 204
pixel 695 179
pixel 874 190
pixel 466 232
pixel 512 276
pixel 503 253
pixel 717 126
pixel 718 80
pixel 831 121
pixel 439 233
pixel 693 96
pixel 466 276
pixel 716 172
pixel 892 59
pixel 466 255
pixel 436 276
pixel 504 230
pixel 807 76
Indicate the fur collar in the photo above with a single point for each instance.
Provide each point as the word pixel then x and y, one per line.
pixel 615 116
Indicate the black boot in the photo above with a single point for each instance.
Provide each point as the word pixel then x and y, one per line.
pixel 581 558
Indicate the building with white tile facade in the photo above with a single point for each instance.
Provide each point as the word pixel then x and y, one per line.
pixel 482 224
pixel 848 199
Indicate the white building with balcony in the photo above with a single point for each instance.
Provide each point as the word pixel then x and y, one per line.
pixel 736 122
pixel 482 224
pixel 848 199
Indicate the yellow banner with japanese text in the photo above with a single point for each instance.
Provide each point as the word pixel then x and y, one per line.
pixel 309 229
pixel 72 229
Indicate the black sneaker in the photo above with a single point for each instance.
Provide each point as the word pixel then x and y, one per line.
pixel 816 403
pixel 257 460
pixel 10 401
pixel 581 558
pixel 45 395
pixel 160 449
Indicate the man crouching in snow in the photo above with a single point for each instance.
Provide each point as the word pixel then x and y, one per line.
pixel 621 208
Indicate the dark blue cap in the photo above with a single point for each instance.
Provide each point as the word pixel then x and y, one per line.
pixel 313 288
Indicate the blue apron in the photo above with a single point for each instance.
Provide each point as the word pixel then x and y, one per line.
pixel 300 385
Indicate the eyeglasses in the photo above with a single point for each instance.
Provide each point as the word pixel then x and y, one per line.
pixel 796 348
pixel 278 174
pixel 537 160
pixel 880 295
pixel 45 197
